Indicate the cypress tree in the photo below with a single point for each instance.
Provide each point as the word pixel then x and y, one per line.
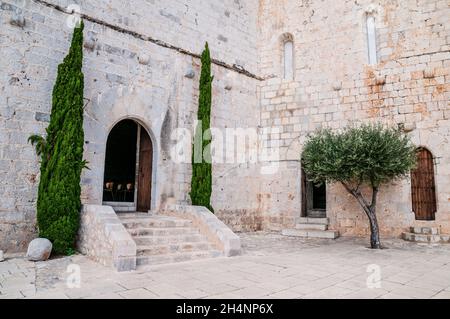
pixel 201 184
pixel 61 153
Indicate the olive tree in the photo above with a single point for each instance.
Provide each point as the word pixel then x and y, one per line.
pixel 367 155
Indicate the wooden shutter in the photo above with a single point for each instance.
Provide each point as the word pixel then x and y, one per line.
pixel 423 186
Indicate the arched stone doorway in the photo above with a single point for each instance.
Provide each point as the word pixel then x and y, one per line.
pixel 128 168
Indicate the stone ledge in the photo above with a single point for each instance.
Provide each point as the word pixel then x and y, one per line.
pixel 103 237
pixel 209 225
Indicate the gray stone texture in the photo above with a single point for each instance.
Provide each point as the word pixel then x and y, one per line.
pixel 39 249
pixel 333 86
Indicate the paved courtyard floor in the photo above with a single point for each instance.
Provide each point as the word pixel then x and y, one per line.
pixel 271 266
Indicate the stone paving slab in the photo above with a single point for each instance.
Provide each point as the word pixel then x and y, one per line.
pixel 271 266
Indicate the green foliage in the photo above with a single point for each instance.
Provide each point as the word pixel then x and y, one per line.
pixel 367 154
pixel 38 142
pixel 201 184
pixel 61 154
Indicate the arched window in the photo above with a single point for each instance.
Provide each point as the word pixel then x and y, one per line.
pixel 423 186
pixel 372 39
pixel 288 56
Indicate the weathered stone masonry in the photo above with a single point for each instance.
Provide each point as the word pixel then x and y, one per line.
pixel 334 85
pixel 126 77
pixel 139 61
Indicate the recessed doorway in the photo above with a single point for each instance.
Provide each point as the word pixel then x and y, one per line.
pixel 127 182
pixel 314 198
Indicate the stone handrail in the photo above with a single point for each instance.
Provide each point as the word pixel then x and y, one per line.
pixel 103 237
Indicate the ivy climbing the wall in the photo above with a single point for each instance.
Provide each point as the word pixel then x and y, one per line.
pixel 201 185
pixel 61 153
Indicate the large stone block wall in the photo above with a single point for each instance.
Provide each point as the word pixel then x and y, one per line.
pixel 335 86
pixel 139 73
pixel 137 56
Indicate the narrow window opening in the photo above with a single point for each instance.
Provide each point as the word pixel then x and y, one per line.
pixel 288 60
pixel 372 40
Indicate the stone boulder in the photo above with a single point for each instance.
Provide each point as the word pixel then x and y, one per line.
pixel 2 256
pixel 39 249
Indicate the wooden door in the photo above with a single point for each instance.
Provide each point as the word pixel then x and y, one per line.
pixel 423 187
pixel 304 190
pixel 145 173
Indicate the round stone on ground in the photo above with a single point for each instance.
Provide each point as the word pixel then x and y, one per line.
pixel 39 249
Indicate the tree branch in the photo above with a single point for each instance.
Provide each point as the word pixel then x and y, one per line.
pixel 359 183
pixel 359 196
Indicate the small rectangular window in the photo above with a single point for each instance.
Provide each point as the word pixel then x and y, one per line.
pixel 372 40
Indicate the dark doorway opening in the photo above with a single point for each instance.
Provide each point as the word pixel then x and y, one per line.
pixel 314 198
pixel 120 163
pixel 129 167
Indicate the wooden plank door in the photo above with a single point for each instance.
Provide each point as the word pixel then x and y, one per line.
pixel 145 173
pixel 304 190
pixel 423 187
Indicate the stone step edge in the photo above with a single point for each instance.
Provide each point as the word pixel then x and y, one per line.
pixel 166 259
pixel 321 234
pixel 187 229
pixel 152 218
pixel 425 230
pixel 433 239
pixel 171 237
pixel 141 248
pixel 313 221
pixel 311 227
pixel 156 225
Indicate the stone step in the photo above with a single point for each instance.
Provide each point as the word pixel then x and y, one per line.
pixel 161 240
pixel 178 257
pixel 171 231
pixel 328 234
pixel 425 230
pixel 430 239
pixel 320 221
pixel 317 214
pixel 172 248
pixel 125 215
pixel 143 222
pixel 311 227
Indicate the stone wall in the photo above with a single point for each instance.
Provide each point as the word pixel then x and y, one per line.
pixel 139 61
pixel 103 237
pixel 335 86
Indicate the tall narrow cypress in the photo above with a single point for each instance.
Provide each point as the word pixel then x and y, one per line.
pixel 201 185
pixel 61 152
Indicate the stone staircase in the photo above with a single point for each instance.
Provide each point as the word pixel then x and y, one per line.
pixel 312 228
pixel 430 235
pixel 163 239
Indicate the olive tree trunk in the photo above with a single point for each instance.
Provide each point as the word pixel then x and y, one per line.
pixel 371 212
